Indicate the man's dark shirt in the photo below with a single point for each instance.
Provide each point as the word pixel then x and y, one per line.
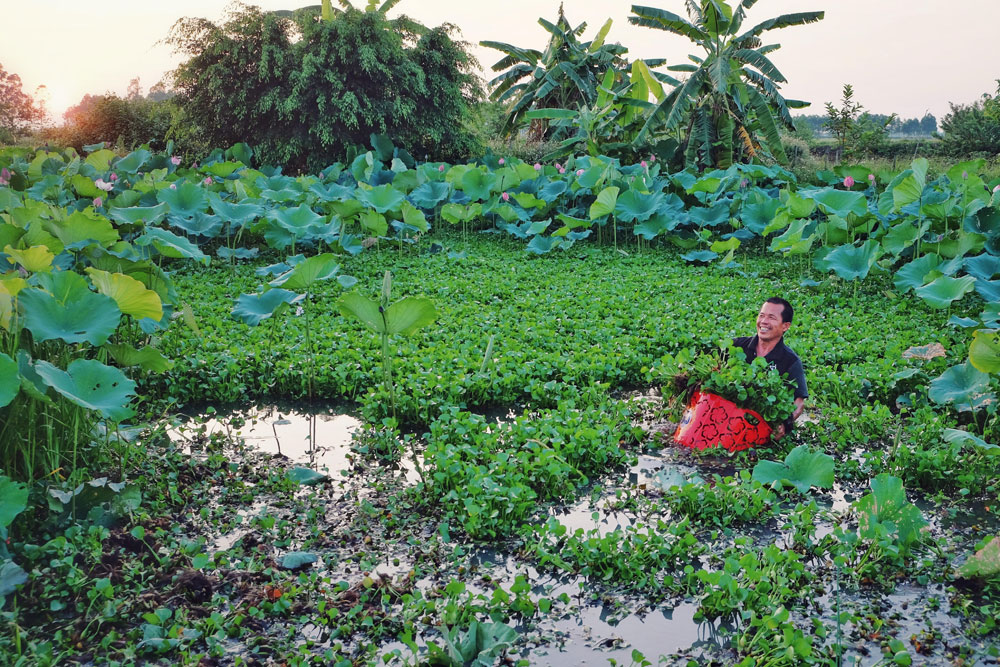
pixel 781 357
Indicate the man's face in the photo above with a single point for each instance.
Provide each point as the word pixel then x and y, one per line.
pixel 769 324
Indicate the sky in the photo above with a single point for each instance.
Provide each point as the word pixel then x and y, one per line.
pixel 903 56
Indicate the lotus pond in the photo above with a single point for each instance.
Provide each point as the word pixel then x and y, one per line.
pixel 524 504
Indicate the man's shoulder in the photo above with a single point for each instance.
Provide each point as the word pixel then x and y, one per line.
pixel 742 341
pixel 789 352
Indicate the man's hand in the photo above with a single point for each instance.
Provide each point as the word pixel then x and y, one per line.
pixel 778 433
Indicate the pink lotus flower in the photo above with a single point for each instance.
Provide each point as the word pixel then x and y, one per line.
pixel 98 202
pixel 652 158
pixel 194 165
pixel 965 175
pixel 440 167
pixel 173 186
pixel 744 182
pixel 114 177
pixel 562 170
pixel 175 160
pixel 849 182
pixel 996 188
pixel 644 164
pixel 505 197
pixel 871 178
pixel 4 176
pixel 579 172
pixel 502 162
pixel 558 166
pixel 103 185
pixel 208 180
pixel 538 166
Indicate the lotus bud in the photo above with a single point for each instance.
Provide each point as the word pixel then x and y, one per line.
pixel 849 182
pixel 996 188
pixel 440 167
pixel 579 172
pixel 505 197
pixel 175 160
pixel 502 162
pixel 538 166
pixel 744 182
pixel 114 177
pixel 558 166
pixel 871 178
pixel 173 186
pixel 965 175
pixel 208 180
pixel 194 165
pixel 97 202
pixel 562 170
pixel 5 174
pixel 644 164
pixel 652 158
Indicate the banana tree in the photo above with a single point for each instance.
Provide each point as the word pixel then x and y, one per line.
pixel 730 106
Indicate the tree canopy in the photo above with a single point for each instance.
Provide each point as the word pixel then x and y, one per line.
pixel 18 110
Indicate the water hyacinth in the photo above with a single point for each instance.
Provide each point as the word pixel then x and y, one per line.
pixel 849 182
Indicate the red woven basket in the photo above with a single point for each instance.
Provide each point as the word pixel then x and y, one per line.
pixel 712 421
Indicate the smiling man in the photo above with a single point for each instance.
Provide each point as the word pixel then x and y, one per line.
pixel 773 320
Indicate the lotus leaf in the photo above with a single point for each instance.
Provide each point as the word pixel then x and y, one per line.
pixel 605 203
pixel 374 222
pixel 9 380
pixel 885 511
pixel 101 159
pixel 92 385
pixel 797 206
pixel 133 215
pixel 984 564
pixel 655 226
pixel 699 256
pixel 540 245
pixel 306 476
pixel 956 247
pixel 841 203
pixel 31 381
pixel 430 194
pixel 455 213
pixel 710 217
pixel 908 190
pixel 12 575
pixel 403 317
pixel 133 162
pixel 308 272
pixel 526 200
pixel 988 289
pixel 913 275
pixel 802 469
pixel 552 190
pixel 237 253
pixel 34 259
pixel 297 560
pixel 148 358
pixel 414 217
pixel 983 266
pixel 184 201
pixel 347 208
pixel 9 234
pixel 984 353
pixel 221 169
pixel 202 224
pixel 130 294
pixel 756 217
pixel 87 317
pixel 478 184
pixel 941 292
pixel 853 262
pixel 954 435
pixel 171 245
pixel 85 187
pixel 634 206
pixel 962 385
pixel 902 236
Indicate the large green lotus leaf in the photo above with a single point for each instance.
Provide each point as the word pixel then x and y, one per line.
pixel 430 194
pixel 655 226
pixel 705 183
pixel 711 216
pixel 634 206
pixel 80 227
pixel 347 208
pixel 9 234
pixel 886 507
pixel 148 357
pixel 409 314
pixel 135 215
pixel 539 245
pixel 906 191
pixel 841 202
pixel 958 436
pixel 699 256
pixel 730 244
pixel 940 293
pixel 145 271
pixel 90 317
pixel 131 163
pixel 253 309
pixel 414 217
pixel 297 560
pixel 10 381
pixel 202 224
pixel 913 274
pixel 306 476
pixel 792 241
pixel 297 220
pixel 456 213
pixel 185 201
pixel 12 575
pixel 85 187
pixel 478 184
pixel 798 206
pixel 984 564
pixel 237 214
pixel 984 352
pixel 902 236
pixel 221 169
pixel 35 259
pixel 957 247
pixel 363 309
pixel 101 159
pixel 853 262
pixel 988 289
pixel 528 201
pixel 605 203
pixel 65 286
pixel 802 469
pixel 132 297
pixel 13 501
pixel 983 266
pixel 171 245
pixel 963 385
pixel 92 385
pixel 308 272
pixel 756 217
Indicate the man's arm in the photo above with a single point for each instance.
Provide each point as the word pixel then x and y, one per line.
pixel 780 431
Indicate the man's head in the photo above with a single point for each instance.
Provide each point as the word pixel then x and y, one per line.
pixel 774 318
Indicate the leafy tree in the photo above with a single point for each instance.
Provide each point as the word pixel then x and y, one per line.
pixel 730 106
pixel 564 76
pixel 127 122
pixel 970 129
pixel 305 87
pixel 841 121
pixel 18 110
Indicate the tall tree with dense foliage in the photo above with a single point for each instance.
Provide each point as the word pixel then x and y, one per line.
pixel 729 108
pixel 18 110
pixel 307 86
pixel 566 75
pixel 973 129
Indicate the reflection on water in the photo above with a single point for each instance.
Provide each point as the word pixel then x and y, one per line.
pixel 318 439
